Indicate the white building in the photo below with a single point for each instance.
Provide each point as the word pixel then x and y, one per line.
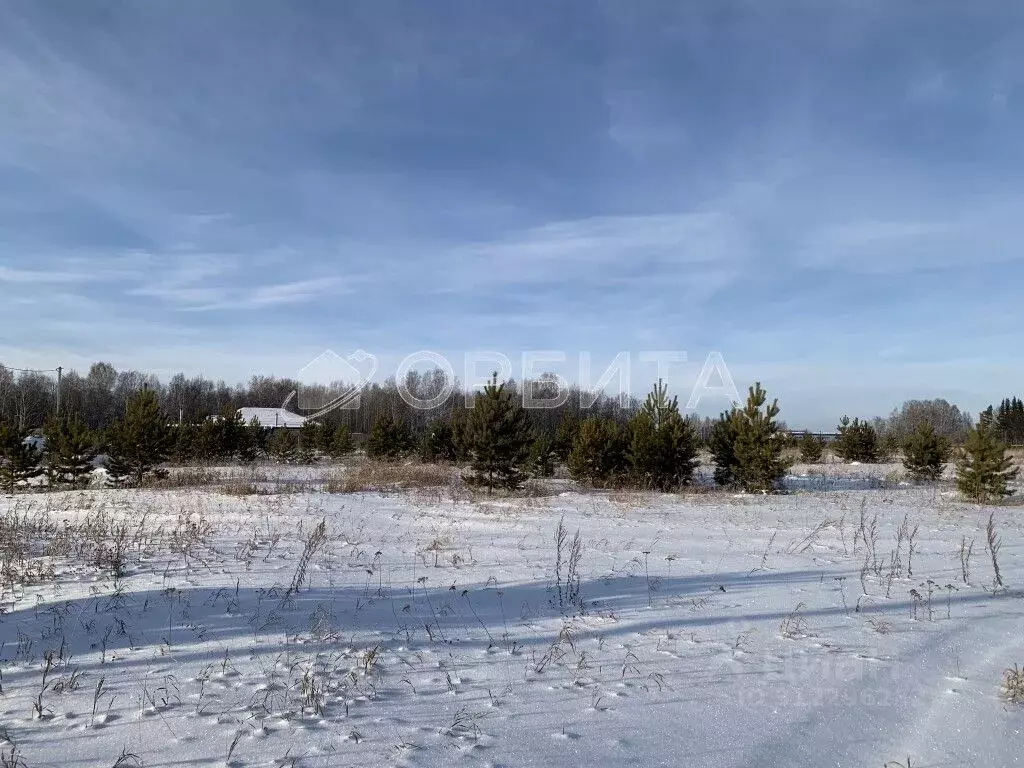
pixel 273 418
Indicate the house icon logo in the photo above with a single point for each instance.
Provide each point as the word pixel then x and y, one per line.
pixel 330 381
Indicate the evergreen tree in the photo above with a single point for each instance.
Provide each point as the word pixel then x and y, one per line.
pixel 987 417
pixel 230 431
pixel 140 442
pixel 308 438
pixel 857 441
pixel 599 453
pixel 186 442
pixel 565 435
pixel 498 438
pixel 543 457
pixel 812 448
pixel 20 461
pixel 438 443
pixel 1009 420
pixel 759 444
pixel 460 434
pixel 341 442
pixel 70 450
pixel 722 445
pixel 663 446
pixel 252 440
pixel 323 438
pixel 208 440
pixel 925 453
pixel 887 444
pixel 984 470
pixel 658 407
pixel 389 439
pixel 284 445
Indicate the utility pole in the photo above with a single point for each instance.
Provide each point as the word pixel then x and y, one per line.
pixel 60 375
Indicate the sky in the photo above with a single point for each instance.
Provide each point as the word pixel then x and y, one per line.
pixel 831 195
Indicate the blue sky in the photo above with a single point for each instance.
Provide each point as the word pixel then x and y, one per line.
pixel 830 194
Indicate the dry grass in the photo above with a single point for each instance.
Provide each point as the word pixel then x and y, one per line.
pixel 382 476
pixel 185 477
pixel 237 486
pixel 1013 685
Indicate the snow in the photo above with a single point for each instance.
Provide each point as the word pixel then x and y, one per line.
pixel 716 630
pixel 272 417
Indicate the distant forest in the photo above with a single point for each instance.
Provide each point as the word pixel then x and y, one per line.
pixel 29 398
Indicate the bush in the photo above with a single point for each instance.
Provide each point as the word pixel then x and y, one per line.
pixel 543 456
pixel 20 462
pixel 340 442
pixel 857 441
pixel 389 439
pixel 812 448
pixel 565 435
pixel 307 442
pixel 438 443
pixel 70 451
pixel 284 445
pixel 925 453
pixel 598 455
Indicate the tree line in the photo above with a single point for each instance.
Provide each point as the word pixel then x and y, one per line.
pixel 655 448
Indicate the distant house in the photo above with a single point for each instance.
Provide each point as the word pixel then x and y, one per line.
pixel 272 418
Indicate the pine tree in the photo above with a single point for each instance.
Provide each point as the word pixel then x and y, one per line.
pixel 984 470
pixel 341 442
pixel 438 443
pixel 887 445
pixel 1009 421
pixel 284 445
pixel 925 453
pixel 230 431
pixel 20 461
pixel 307 442
pixel 722 445
pixel 663 446
pixel 70 451
pixel 389 439
pixel 543 457
pixel 857 441
pixel 252 440
pixel 599 453
pixel 323 438
pixel 565 434
pixel 812 448
pixel 186 442
pixel 140 442
pixel 208 440
pixel 498 438
pixel 759 444
pixel 460 434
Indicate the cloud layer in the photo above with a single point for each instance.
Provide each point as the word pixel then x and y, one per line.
pixel 804 187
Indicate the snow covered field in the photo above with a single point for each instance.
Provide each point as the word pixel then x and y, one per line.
pixel 164 628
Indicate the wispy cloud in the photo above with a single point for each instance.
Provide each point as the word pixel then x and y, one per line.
pixel 9 275
pixel 823 184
